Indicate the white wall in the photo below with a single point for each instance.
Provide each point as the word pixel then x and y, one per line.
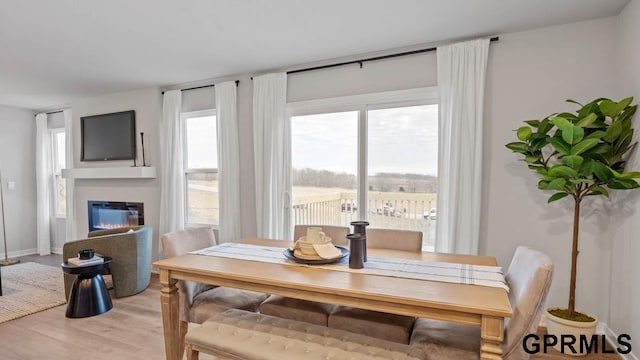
pixel 17 159
pixel 530 75
pixel 148 107
pixel 624 314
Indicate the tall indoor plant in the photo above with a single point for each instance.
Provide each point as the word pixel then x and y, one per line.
pixel 579 155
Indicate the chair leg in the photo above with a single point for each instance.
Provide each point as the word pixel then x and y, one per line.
pixel 184 326
pixel 191 354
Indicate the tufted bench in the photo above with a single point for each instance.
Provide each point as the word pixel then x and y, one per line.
pixel 239 334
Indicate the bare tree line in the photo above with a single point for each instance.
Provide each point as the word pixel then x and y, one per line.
pixel 386 182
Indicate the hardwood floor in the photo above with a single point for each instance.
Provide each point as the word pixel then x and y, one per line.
pixel 131 330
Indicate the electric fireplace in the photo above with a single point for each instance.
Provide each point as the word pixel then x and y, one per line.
pixel 112 214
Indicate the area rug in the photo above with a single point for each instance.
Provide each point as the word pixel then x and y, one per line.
pixel 28 288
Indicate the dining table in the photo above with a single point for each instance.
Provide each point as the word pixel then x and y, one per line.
pixel 483 306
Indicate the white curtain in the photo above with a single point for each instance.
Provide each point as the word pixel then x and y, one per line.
pixel 44 177
pixel 70 223
pixel 271 138
pixel 461 78
pixel 228 161
pixel 172 166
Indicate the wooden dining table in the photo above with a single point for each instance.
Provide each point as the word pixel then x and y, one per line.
pixel 486 307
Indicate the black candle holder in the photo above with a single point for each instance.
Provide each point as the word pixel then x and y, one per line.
pixel 356 246
pixel 360 227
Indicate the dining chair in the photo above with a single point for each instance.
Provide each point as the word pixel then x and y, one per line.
pixel 381 325
pixel 529 278
pixel 198 302
pixel 304 310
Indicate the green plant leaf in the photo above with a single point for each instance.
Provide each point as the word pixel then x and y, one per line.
pixel 562 171
pixel 612 133
pixel 598 190
pixel 524 133
pixel 600 148
pixel 557 184
pixel 542 171
pixel 542 184
pixel 532 159
pixel 602 171
pixel 574 161
pixel 557 196
pixel 630 175
pixel 573 101
pixel 560 122
pixel 591 107
pixel 587 120
pixel 518 147
pixel 625 102
pixel 560 145
pixel 572 134
pixel 544 126
pixel 533 123
pixel 609 108
pixel 595 135
pixel 623 184
pixel 569 116
pixel 583 146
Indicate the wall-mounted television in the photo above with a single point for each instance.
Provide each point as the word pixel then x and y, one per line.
pixel 108 136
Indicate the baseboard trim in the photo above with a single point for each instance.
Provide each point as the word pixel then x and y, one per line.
pixel 612 337
pixel 14 254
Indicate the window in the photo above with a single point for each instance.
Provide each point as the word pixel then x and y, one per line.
pixel 370 157
pixel 201 168
pixel 59 163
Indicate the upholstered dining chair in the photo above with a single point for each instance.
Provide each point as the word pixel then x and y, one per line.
pixel 198 302
pixel 381 325
pixel 304 310
pixel 529 278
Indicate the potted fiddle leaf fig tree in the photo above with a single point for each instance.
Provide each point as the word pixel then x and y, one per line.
pixel 579 155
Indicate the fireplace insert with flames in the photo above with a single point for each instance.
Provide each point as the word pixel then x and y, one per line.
pixel 111 214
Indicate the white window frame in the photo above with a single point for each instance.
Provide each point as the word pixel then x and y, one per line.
pixel 362 103
pixel 57 172
pixel 183 123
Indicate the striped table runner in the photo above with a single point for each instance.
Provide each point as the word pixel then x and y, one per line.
pixel 413 269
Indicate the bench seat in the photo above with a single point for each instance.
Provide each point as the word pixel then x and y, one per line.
pixel 238 334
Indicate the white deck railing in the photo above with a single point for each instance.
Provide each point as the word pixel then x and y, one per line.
pixel 395 210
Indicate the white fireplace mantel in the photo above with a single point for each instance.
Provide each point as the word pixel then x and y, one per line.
pixel 124 172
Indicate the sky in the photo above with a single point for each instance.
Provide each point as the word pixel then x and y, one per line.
pixel 400 140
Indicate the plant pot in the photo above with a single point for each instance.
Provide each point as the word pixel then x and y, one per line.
pixel 558 326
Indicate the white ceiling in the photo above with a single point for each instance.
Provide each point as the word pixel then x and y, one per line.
pixel 55 52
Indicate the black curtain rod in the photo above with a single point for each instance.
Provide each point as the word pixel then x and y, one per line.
pixel 361 61
pixel 53 112
pixel 202 87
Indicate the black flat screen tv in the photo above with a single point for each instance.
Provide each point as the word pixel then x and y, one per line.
pixel 108 136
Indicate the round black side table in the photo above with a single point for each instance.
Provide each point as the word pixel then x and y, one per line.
pixel 89 295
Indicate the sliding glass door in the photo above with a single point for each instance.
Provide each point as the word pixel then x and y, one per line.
pixel 369 161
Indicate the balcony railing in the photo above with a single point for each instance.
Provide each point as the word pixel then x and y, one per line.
pixel 395 210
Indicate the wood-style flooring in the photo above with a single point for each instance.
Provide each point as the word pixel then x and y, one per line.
pixel 131 330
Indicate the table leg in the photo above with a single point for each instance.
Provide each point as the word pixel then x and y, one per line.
pixel 492 333
pixel 170 301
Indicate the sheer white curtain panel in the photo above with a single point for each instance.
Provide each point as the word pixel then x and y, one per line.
pixel 272 153
pixel 228 161
pixel 70 221
pixel 44 179
pixel 461 82
pixel 172 203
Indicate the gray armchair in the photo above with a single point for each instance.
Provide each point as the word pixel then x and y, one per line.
pixel 130 251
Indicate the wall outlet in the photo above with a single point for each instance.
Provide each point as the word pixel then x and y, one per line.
pixel 11 185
